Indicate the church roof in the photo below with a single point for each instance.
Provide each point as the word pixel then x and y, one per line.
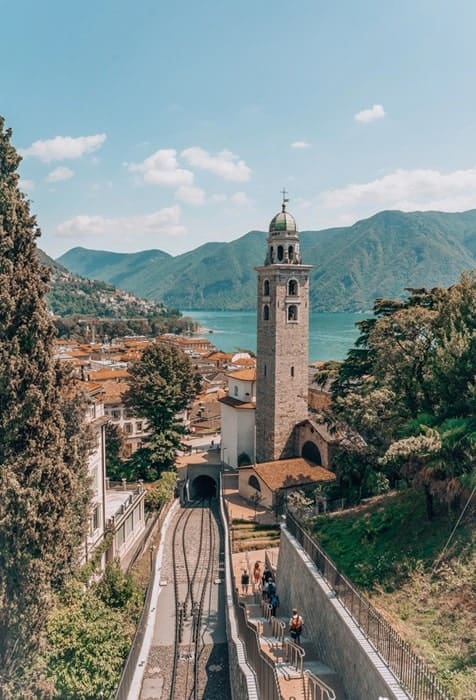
pixel 236 403
pixel 244 375
pixel 287 473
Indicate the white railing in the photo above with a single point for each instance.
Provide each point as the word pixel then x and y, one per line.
pixel 278 629
pixel 267 610
pixel 317 689
pixel 294 655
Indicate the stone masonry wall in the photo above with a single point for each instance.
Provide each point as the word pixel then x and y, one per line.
pixel 337 639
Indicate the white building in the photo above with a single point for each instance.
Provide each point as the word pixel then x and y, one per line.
pixel 116 511
pixel 238 418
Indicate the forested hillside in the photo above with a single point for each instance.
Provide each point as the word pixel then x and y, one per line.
pixel 376 257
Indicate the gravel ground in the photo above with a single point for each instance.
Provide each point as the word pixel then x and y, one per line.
pixel 213 674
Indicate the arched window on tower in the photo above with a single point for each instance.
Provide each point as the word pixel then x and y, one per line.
pixel 271 254
pixel 291 253
pixel 254 483
pixel 292 313
pixel 266 288
pixel 280 253
pixel 266 312
pixel 292 288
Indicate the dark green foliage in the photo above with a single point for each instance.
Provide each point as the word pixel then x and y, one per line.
pixel 89 635
pixel 383 255
pixel 115 468
pixel 162 491
pixel 412 397
pixel 43 470
pixel 162 384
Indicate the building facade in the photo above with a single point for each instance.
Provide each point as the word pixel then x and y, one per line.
pixel 282 341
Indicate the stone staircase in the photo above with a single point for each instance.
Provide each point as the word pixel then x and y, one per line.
pixel 301 675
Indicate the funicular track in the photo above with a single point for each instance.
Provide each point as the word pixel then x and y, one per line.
pixel 195 543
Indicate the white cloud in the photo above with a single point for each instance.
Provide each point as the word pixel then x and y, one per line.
pixel 191 195
pixel 225 164
pixel 409 190
pixel 218 198
pixel 60 173
pixel 240 199
pixel 64 147
pixel 161 168
pixel 300 144
pixel 27 185
pixel 370 115
pixel 136 230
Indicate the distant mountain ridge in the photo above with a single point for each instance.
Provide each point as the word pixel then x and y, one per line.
pixel 353 265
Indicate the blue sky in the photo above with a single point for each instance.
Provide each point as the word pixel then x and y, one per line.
pixel 153 124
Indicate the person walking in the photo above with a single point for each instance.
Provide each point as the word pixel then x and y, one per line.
pixel 274 603
pixel 295 626
pixel 257 575
pixel 245 582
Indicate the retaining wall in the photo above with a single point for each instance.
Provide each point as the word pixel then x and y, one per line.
pixel 338 640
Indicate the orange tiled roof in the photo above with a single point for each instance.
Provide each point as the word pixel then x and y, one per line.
pixel 284 473
pixel 246 375
pixel 102 375
pixel 236 403
pixel 113 392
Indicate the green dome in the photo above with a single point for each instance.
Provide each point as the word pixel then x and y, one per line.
pixel 282 222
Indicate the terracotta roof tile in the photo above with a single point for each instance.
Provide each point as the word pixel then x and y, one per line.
pixel 236 403
pixel 245 375
pixel 285 473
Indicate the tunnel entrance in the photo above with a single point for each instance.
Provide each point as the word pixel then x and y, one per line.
pixel 203 486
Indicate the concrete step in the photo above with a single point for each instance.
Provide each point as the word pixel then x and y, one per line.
pixel 292 688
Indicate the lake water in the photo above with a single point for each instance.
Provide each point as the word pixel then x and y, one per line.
pixel 331 335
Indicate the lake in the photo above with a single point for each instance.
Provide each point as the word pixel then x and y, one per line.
pixel 331 335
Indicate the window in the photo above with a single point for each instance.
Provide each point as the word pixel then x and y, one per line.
pixel 292 313
pixel 266 288
pixel 291 253
pixel 254 483
pixel 139 426
pixel 116 413
pixel 95 518
pixel 266 312
pixel 280 252
pixel 128 428
pixel 235 390
pixel 271 254
pixel 292 288
pixel 292 371
pixel 264 370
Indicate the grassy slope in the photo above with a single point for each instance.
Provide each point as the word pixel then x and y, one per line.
pixel 388 548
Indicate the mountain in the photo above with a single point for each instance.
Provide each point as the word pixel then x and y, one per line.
pixel 71 294
pixel 353 265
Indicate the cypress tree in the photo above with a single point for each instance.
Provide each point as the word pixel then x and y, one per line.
pixel 43 469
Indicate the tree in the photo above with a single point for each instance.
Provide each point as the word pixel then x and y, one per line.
pixel 115 467
pixel 44 482
pixel 163 383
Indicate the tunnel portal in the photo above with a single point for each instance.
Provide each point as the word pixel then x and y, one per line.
pixel 203 486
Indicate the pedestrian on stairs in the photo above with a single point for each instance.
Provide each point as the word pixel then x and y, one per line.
pixel 295 626
pixel 245 582
pixel 274 604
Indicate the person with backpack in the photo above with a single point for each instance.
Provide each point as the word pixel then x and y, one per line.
pixel 274 603
pixel 295 626
pixel 271 588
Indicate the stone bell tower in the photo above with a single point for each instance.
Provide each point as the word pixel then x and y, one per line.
pixel 282 340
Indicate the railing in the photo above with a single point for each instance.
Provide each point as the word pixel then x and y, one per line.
pixel 316 689
pixel 294 655
pixel 278 629
pixel 264 667
pixel 410 670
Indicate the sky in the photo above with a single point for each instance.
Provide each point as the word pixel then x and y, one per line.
pixel 153 124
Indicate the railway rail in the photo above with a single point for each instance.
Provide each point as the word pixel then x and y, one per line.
pixel 195 549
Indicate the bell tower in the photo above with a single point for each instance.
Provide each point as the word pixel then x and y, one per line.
pixel 282 340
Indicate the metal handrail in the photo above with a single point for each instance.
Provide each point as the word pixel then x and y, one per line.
pixel 294 655
pixel 316 689
pixel 267 610
pixel 278 629
pixel 413 674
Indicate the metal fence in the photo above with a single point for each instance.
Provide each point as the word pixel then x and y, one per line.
pixel 410 670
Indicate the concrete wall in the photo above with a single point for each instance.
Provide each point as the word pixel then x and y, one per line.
pixel 248 491
pixel 306 433
pixel 337 639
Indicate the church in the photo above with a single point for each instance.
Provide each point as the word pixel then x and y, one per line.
pixel 267 432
